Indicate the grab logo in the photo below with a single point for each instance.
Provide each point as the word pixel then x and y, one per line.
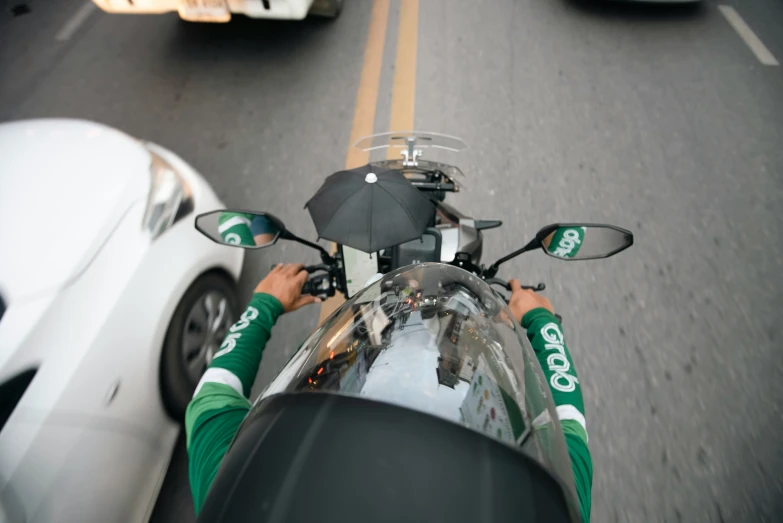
pixel 232 337
pixel 557 362
pixel 233 238
pixel 570 240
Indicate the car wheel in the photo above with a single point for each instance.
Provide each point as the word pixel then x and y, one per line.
pixel 326 8
pixel 200 322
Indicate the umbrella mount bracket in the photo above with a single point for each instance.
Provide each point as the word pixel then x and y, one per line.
pixel 411 154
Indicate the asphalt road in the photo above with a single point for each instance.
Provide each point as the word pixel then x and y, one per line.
pixel 654 117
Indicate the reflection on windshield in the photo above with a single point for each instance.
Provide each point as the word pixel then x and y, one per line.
pixel 424 343
pixel 436 339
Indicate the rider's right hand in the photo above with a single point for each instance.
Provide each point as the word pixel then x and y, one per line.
pixel 524 300
pixel 285 283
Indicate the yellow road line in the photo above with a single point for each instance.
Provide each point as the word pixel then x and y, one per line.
pixel 367 94
pixel 364 111
pixel 404 87
pixel 403 90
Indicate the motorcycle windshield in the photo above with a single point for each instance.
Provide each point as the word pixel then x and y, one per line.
pixel 436 339
pixel 396 143
pixel 399 140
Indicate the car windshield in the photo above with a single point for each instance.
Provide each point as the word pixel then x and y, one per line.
pixel 436 339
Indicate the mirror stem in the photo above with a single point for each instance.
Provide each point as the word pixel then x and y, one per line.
pixel 325 257
pixel 492 270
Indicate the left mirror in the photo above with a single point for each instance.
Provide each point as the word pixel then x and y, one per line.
pixel 249 230
pixel 584 241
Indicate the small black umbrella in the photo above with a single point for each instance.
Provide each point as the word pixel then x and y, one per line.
pixel 369 210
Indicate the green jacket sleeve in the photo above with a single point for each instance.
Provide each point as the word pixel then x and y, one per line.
pixel 546 336
pixel 234 228
pixel 220 402
pixel 566 242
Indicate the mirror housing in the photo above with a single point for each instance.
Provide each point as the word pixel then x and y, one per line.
pixel 245 229
pixel 579 241
pixel 249 230
pixel 572 241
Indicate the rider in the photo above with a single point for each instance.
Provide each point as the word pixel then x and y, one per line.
pixel 220 402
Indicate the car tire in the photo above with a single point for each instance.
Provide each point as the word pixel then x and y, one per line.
pixel 326 8
pixel 195 315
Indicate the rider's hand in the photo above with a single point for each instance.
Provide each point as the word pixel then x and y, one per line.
pixel 285 283
pixel 524 300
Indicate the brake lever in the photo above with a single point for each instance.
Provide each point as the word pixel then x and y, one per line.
pixel 537 288
pixel 497 281
pixel 310 268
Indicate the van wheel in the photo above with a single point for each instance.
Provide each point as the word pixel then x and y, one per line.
pixel 197 328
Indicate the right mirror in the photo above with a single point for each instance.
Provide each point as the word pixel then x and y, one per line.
pixel 584 241
pixel 249 230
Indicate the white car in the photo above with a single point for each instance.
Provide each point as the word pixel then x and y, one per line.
pixel 221 10
pixel 112 304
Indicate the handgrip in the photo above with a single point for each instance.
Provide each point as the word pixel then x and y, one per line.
pixel 320 286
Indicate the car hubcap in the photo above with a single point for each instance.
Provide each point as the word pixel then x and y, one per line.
pixel 205 327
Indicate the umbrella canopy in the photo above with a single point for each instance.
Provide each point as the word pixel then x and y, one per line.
pixel 369 210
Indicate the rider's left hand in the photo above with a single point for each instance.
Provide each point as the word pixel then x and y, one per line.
pixel 285 283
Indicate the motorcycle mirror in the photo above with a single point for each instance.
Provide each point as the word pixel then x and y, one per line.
pixel 583 241
pixel 245 229
pixel 575 241
pixel 250 230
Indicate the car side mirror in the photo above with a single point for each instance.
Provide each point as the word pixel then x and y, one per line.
pixel 248 230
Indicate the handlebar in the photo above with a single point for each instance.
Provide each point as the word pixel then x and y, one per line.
pixel 321 285
pixel 434 186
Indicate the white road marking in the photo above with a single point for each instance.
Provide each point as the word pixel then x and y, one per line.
pixel 74 22
pixel 747 34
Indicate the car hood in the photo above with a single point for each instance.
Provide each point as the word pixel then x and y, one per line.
pixel 65 185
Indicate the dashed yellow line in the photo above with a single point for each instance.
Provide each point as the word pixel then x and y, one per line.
pixel 367 94
pixel 403 90
pixel 364 111
pixel 404 86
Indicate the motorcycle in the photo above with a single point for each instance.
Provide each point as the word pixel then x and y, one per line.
pixel 423 348
pixel 450 237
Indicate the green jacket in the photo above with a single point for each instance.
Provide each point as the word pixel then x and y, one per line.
pixel 220 402
pixel 234 227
